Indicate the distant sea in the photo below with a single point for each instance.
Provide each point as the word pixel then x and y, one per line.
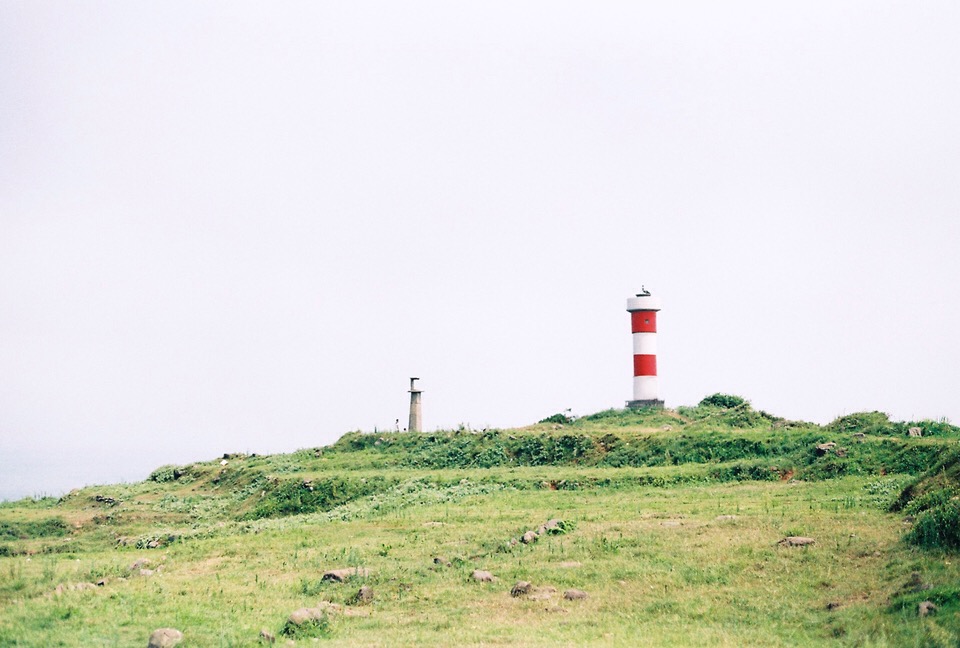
pixel 36 473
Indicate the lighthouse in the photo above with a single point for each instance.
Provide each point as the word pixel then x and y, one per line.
pixel 643 324
pixel 416 414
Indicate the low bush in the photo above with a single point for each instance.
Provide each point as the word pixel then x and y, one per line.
pixel 937 527
pixel 562 419
pixel 27 529
pixel 726 401
pixel 165 474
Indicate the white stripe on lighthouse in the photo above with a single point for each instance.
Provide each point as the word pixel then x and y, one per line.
pixel 644 344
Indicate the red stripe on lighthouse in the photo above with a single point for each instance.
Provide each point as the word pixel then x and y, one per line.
pixel 644 365
pixel 644 321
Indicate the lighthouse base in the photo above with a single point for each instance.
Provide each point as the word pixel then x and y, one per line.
pixel 651 403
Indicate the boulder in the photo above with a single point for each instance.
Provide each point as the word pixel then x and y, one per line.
pixel 165 638
pixel 574 595
pixel 443 561
pixel 520 589
pixel 364 595
pixel 926 607
pixel 341 575
pixel 529 537
pixel 797 541
pixel 267 637
pixel 307 615
pixel 482 576
pixel 824 448
pixel 915 432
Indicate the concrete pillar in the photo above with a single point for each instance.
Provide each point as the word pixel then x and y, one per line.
pixel 643 323
pixel 416 416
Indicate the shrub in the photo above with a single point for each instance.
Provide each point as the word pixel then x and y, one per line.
pixel 726 401
pixel 46 528
pixel 562 419
pixel 937 528
pixel 865 422
pixel 166 474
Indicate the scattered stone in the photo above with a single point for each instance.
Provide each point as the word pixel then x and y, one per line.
pixel 482 576
pixel 341 575
pixel 797 541
pixel 529 537
pixel 267 637
pixel 433 524
pixel 724 518
pixel 365 595
pixel 916 584
pixel 513 542
pixel 824 448
pixel 926 607
pixel 832 605
pixel 153 544
pixel 666 428
pixel 139 564
pixel 553 526
pixel 671 523
pixel 443 561
pixel 146 572
pixel 542 593
pixel 73 587
pixel 522 588
pixel 859 435
pixel 574 595
pixel 571 564
pixel 306 615
pixel 109 501
pixel 915 432
pixel 165 638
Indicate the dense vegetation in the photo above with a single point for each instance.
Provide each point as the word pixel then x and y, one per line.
pixel 673 519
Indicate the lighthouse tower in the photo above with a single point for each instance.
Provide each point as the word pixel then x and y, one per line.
pixel 643 323
pixel 416 413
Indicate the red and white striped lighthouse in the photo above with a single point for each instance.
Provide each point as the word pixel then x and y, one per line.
pixel 643 323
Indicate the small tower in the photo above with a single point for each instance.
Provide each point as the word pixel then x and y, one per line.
pixel 416 420
pixel 643 320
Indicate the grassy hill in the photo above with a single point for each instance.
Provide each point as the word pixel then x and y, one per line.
pixel 673 524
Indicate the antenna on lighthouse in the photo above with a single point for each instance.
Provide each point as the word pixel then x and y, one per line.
pixel 416 421
pixel 643 323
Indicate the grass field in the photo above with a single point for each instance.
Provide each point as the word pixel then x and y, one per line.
pixel 668 552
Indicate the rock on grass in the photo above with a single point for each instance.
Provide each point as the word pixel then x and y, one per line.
pixel 165 638
pixel 796 541
pixel 341 575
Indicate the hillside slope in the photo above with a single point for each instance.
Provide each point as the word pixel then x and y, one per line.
pixel 670 521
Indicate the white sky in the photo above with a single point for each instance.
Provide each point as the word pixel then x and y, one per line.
pixel 234 226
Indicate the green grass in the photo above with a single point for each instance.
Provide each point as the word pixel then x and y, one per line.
pixel 679 548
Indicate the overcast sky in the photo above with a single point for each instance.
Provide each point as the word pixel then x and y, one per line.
pixel 235 226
